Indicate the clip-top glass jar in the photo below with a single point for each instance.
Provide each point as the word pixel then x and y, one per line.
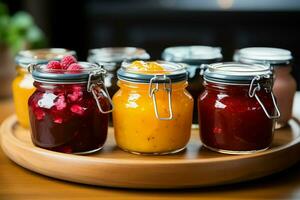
pixel 284 84
pixel 153 110
pixel 23 83
pixel 69 110
pixel 237 110
pixel 193 57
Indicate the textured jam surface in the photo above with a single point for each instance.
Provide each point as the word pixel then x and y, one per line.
pixel 230 120
pixel 65 118
pixel 147 67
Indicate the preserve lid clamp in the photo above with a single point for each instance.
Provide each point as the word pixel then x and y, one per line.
pixel 175 72
pixel 41 56
pixel 192 54
pixel 263 55
pixel 235 73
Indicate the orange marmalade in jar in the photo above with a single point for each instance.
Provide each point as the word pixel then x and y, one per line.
pixel 22 85
pixel 153 110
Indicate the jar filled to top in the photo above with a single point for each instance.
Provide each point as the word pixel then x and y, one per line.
pixel 23 83
pixel 69 109
pixel 153 110
pixel 192 57
pixel 280 60
pixel 237 110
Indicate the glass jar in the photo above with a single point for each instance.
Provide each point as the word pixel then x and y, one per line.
pixel 22 85
pixel 237 110
pixel 284 84
pixel 69 111
pixel 193 57
pixel 153 109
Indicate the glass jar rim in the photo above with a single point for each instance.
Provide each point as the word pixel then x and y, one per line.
pixel 41 56
pixel 194 54
pixel 263 55
pixel 117 54
pixel 175 73
pixel 235 73
pixel 41 73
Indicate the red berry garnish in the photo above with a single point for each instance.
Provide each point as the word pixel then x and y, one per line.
pixel 75 68
pixel 67 61
pixel 54 65
pixel 77 109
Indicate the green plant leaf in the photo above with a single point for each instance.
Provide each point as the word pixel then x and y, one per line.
pixel 21 21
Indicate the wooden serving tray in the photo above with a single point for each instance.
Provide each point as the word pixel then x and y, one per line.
pixel 194 167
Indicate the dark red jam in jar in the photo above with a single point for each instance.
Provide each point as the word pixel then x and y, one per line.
pixel 192 57
pixel 237 110
pixel 69 109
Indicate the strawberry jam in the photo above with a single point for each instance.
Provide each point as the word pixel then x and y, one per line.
pixel 64 110
pixel 237 108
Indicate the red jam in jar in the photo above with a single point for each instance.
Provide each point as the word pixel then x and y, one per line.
pixel 237 110
pixel 68 110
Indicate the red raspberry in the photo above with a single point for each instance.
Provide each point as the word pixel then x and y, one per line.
pixel 75 68
pixel 54 65
pixel 77 109
pixel 60 102
pixel 67 61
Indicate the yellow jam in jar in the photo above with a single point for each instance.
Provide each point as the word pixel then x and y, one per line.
pixel 22 85
pixel 153 110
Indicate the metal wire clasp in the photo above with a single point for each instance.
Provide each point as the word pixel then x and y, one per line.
pixel 96 78
pixel 167 84
pixel 31 67
pixel 255 87
pixel 203 67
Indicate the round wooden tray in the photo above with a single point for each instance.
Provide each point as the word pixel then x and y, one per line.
pixel 194 167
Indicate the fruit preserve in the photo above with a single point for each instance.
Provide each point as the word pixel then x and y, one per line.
pixel 153 110
pixel 284 84
pixel 23 83
pixel 193 57
pixel 69 109
pixel 237 110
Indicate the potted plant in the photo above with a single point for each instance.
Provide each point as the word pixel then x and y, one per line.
pixel 17 32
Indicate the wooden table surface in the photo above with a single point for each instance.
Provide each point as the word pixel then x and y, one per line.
pixel 19 183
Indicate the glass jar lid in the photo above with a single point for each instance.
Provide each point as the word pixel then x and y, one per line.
pixel 235 73
pixel 117 54
pixel 41 73
pixel 41 56
pixel 263 55
pixel 145 71
pixel 192 54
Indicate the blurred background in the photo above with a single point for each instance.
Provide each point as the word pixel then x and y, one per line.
pixel 152 24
